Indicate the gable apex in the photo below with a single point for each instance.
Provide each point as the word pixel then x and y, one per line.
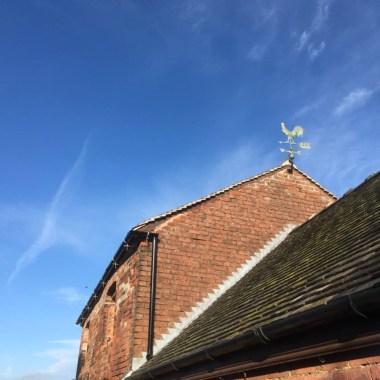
pixel 175 211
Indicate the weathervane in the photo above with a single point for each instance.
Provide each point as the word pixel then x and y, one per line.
pixel 291 135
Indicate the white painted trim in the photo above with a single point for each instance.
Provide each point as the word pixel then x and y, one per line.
pixel 200 307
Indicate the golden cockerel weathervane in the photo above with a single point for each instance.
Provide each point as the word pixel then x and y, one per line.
pixel 291 135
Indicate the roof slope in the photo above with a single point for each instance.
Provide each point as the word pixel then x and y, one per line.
pixel 332 255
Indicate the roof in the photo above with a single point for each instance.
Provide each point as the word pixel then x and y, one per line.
pixel 332 255
pixel 150 224
pixel 144 224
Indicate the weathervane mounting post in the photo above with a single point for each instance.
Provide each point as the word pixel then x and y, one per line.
pixel 291 135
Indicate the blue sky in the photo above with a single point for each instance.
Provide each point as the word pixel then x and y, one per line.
pixel 112 111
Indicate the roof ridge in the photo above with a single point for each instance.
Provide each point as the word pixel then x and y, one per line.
pixel 222 191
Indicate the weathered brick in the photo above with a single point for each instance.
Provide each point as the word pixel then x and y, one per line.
pixel 375 371
pixel 278 375
pixel 306 370
pixel 360 373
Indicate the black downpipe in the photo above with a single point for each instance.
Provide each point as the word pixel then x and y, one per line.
pixel 152 301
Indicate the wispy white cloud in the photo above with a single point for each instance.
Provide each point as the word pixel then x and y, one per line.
pixel 267 14
pixel 306 109
pixel 62 356
pixel 18 219
pixel 321 16
pixel 260 17
pixel 64 362
pixel 317 24
pixel 258 12
pixel 6 367
pixel 49 235
pixel 355 99
pixel 243 161
pixel 256 53
pixel 315 51
pixel 339 155
pixel 68 295
pixel 303 40
pixel 196 13
pixel 16 214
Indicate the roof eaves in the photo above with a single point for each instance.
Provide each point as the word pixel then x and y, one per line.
pixel 359 304
pixel 125 250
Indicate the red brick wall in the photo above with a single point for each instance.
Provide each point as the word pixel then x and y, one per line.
pixel 198 249
pixel 107 351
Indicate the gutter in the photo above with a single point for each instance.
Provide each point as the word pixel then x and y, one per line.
pixel 360 305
